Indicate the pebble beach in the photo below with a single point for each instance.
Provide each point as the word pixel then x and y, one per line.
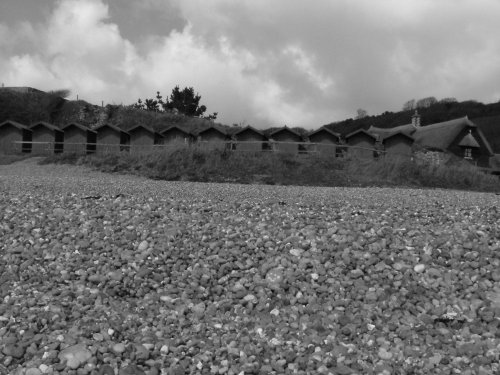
pixel 117 275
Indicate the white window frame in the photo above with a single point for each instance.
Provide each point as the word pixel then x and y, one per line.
pixel 468 153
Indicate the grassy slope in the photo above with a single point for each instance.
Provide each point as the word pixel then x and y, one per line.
pixel 195 164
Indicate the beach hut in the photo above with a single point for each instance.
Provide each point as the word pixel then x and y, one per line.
pixel 213 138
pixel 249 139
pixel 175 135
pixel 143 138
pixel 325 141
pixel 46 138
pixel 361 143
pixel 111 139
pixel 78 138
pixel 398 145
pixel 12 133
pixel 285 140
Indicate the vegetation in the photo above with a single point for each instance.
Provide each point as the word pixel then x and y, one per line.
pixel 28 107
pixel 183 101
pixel 198 164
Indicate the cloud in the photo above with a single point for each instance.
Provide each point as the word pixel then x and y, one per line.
pixel 366 54
pixel 260 62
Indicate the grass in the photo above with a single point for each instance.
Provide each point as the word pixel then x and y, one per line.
pixel 9 159
pixel 182 163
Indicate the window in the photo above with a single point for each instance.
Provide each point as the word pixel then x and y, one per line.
pixel 468 153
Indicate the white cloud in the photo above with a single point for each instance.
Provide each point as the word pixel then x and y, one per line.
pixel 265 62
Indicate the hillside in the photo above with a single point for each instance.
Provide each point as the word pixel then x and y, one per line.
pixel 486 116
pixel 27 105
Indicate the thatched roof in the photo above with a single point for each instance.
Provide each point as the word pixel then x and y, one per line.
pixel 14 124
pixel 442 134
pixel 407 129
pixel 79 126
pixel 469 141
pixel 435 136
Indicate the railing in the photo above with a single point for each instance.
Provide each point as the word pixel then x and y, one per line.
pixel 299 148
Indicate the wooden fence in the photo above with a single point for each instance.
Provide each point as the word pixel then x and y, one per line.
pixel 299 148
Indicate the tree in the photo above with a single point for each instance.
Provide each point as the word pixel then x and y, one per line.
pixel 361 113
pixel 409 105
pixel 188 103
pixel 182 101
pixel 448 100
pixel 426 102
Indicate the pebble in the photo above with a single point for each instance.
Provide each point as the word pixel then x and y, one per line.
pixel 14 350
pixel 296 252
pixel 249 298
pixel 106 370
pixel 131 370
pixel 75 356
pixel 143 246
pixel 118 348
pixel 419 268
pixel 384 354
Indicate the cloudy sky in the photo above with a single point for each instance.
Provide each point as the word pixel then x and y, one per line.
pixel 258 62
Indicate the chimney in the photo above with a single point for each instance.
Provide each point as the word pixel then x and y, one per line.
pixel 415 119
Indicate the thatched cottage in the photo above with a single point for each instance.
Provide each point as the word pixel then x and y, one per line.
pixel 459 137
